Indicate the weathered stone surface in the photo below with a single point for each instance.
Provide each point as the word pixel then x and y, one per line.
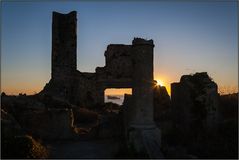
pixel 126 109
pixel 143 81
pixel 14 141
pixel 49 124
pixel 127 66
pixel 146 141
pixel 9 126
pixel 162 102
pixel 13 104
pixel 63 44
pixel 195 101
pixel 22 147
pixel 110 126
pixel 118 61
pixel 37 116
pixel 85 116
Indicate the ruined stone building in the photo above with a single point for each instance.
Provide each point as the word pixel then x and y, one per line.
pixel 195 102
pixel 84 88
pixel 126 66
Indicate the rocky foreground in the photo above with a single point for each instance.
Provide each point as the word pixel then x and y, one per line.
pixel 32 128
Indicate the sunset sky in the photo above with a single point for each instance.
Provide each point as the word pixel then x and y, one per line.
pixel 189 37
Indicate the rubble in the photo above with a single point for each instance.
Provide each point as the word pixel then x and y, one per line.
pixel 15 143
pixel 9 126
pixel 49 124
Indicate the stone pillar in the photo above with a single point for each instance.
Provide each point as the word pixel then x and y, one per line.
pixel 142 82
pixel 142 133
pixel 63 44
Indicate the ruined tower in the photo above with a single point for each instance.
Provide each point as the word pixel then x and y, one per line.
pixel 63 45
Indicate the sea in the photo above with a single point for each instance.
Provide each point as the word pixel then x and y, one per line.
pixel 117 101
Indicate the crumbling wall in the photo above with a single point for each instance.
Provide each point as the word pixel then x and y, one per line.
pixel 84 89
pixel 118 61
pixel 125 65
pixel 86 92
pixel 117 72
pixel 195 101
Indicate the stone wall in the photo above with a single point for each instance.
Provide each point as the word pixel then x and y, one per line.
pixel 195 101
pixel 127 66
pixel 86 91
pixel 118 61
pixel 124 65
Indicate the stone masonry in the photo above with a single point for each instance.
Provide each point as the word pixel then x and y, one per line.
pixel 195 101
pixel 63 45
pixel 127 66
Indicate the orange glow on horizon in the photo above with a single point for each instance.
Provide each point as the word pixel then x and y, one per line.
pixel 17 90
pixel 118 91
pixel 164 81
pixel 32 88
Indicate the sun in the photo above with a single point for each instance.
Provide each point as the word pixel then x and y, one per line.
pixel 159 83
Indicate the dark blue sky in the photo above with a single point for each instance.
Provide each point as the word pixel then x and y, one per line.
pixel 188 36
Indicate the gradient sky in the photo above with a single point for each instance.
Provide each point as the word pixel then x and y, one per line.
pixel 189 37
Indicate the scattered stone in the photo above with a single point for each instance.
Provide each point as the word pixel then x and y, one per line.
pixel 9 126
pixel 22 147
pixel 49 124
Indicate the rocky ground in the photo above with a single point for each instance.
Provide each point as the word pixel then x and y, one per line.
pixel 65 131
pixel 31 129
pixel 98 148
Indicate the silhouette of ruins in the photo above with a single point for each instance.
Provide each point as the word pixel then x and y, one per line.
pixel 196 122
pixel 126 66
